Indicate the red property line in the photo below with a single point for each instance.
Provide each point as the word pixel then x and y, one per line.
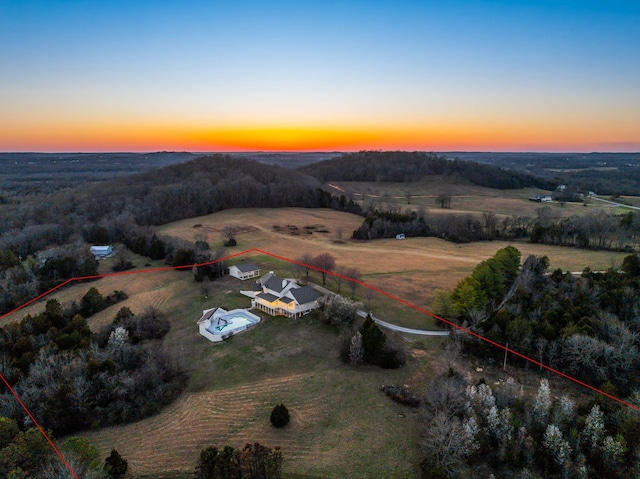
pixel 64 461
pixel 81 278
pixel 331 273
pixel 458 327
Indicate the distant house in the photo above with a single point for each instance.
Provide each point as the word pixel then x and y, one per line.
pixel 244 271
pixel 278 296
pixel 101 252
pixel 541 199
pixel 400 236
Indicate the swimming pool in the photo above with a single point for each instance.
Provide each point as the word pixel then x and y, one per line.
pixel 218 324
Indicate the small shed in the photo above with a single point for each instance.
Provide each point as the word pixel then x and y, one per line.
pixel 101 252
pixel 244 271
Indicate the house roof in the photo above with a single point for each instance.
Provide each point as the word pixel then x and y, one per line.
pixel 268 297
pixel 247 267
pixel 101 249
pixel 264 278
pixel 286 300
pixel 275 284
pixel 306 294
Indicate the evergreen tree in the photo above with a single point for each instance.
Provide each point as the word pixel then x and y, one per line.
pixel 373 341
pixel 115 466
pixel 280 416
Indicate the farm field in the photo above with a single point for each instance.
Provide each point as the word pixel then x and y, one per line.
pixel 342 425
pixel 411 269
pixel 465 198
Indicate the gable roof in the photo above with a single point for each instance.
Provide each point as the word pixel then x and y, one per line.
pixel 276 284
pixel 247 267
pixel 306 294
pixel 101 249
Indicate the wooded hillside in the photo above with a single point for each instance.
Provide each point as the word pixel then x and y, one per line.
pixel 403 166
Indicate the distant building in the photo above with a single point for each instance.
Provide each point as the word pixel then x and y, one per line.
pixel 400 236
pixel 541 199
pixel 101 252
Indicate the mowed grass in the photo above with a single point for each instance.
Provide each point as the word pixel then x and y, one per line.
pixel 342 426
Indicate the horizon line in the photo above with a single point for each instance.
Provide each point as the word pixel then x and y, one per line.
pixel 302 152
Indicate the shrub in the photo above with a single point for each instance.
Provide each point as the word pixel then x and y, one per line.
pixel 392 357
pixel 401 395
pixel 280 416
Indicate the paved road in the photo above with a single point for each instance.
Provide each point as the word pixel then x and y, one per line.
pixel 402 329
pixel 613 203
pixel 385 324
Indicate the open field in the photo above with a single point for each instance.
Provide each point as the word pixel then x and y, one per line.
pixel 465 198
pixel 342 425
pixel 411 269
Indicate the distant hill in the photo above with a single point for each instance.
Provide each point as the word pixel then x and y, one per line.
pixel 201 186
pixel 603 173
pixel 402 166
pixel 45 172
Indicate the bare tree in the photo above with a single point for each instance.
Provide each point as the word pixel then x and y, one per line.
pixel 205 287
pixel 229 233
pixel 122 259
pixel 490 223
pixel 443 200
pixel 305 263
pixel 448 441
pixel 355 349
pixel 325 263
pixel 355 277
pixel 339 278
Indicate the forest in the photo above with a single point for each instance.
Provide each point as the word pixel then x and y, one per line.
pixel 402 166
pixel 585 326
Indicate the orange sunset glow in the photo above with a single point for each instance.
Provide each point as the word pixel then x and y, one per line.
pixel 291 78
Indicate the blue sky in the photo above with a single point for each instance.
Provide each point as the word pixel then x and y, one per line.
pixel 416 75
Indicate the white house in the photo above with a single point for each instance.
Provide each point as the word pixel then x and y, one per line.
pixel 244 271
pixel 101 252
pixel 278 296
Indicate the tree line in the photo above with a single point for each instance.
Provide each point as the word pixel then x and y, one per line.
pixel 599 231
pixel 74 380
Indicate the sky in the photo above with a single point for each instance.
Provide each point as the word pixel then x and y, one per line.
pixel 319 75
